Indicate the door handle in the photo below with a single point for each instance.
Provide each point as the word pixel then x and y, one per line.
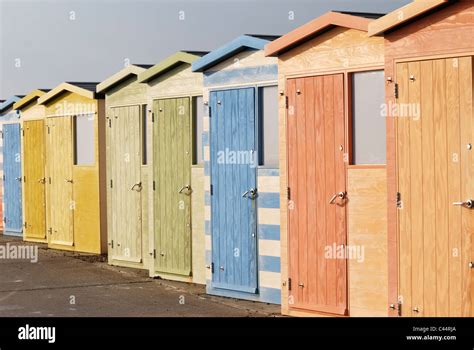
pixel 341 195
pixel 251 193
pixel 187 188
pixel 18 178
pixel 468 204
pixel 68 180
pixel 42 180
pixel 137 187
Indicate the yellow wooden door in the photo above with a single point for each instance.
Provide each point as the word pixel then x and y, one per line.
pixel 435 131
pixel 125 184
pixel 34 180
pixel 61 204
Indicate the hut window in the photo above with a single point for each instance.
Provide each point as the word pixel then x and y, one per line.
pixel 84 139
pixel 143 135
pixel 198 115
pixel 268 126
pixel 368 125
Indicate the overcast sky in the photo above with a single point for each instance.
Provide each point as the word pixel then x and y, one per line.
pixel 46 42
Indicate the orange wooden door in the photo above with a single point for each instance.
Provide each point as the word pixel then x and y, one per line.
pixel 435 131
pixel 316 173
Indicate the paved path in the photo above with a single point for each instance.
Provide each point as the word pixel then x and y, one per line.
pixel 65 284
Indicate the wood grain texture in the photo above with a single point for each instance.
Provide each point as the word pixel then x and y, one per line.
pixel 432 238
pixel 34 197
pixel 125 183
pixel 443 33
pixel 318 134
pixel 172 171
pixel 337 50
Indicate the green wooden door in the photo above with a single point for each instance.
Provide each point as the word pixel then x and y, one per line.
pixel 125 184
pixel 172 175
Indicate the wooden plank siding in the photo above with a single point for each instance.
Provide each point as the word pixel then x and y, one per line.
pixel 173 80
pixel 339 49
pixel 443 33
pixel 245 68
pixel 76 211
pixel 127 165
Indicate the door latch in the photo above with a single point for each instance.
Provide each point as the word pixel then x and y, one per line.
pixel 250 193
pixel 398 307
pixel 468 204
pixel 137 187
pixel 341 195
pixel 187 188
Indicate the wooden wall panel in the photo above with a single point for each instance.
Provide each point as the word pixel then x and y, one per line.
pixel 367 213
pixel 34 198
pixel 338 50
pixel 444 33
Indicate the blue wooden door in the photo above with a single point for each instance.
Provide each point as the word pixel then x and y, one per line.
pixel 233 182
pixel 12 179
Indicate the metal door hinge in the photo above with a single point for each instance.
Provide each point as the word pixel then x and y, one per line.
pixel 25 225
pixel 286 102
pixel 3 177
pixel 398 307
pixel 22 132
pixel 212 190
pixel 395 90
pixel 49 180
pixel 111 244
pixel 48 129
pixel 152 117
pixel 212 267
pixel 154 185
pixel 4 219
pixel 154 253
pixel 399 201
pixel 50 230
pixel 24 178
pixel 111 183
pixel 110 123
pixel 288 193
pixel 209 111
pixel 289 283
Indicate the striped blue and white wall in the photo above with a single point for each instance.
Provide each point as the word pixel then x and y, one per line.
pixel 248 69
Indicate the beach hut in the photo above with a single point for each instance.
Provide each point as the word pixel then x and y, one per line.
pixel 127 168
pixel 241 170
pixel 75 168
pixel 333 171
pixel 33 166
pixel 174 98
pixel 429 52
pixel 11 168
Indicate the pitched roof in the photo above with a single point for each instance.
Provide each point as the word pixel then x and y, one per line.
pixel 319 25
pixel 178 58
pixel 32 96
pixel 241 43
pixel 85 89
pixel 9 102
pixel 127 72
pixel 405 15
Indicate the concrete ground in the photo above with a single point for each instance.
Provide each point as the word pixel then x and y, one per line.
pixel 68 284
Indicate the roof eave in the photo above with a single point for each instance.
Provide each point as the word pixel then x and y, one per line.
pixel 66 87
pixel 224 52
pixel 34 95
pixel 403 15
pixel 312 29
pixel 165 65
pixel 118 77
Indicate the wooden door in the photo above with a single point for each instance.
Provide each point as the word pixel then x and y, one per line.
pixel 435 129
pixel 34 179
pixel 60 182
pixel 125 184
pixel 172 156
pixel 12 179
pixel 233 192
pixel 316 175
